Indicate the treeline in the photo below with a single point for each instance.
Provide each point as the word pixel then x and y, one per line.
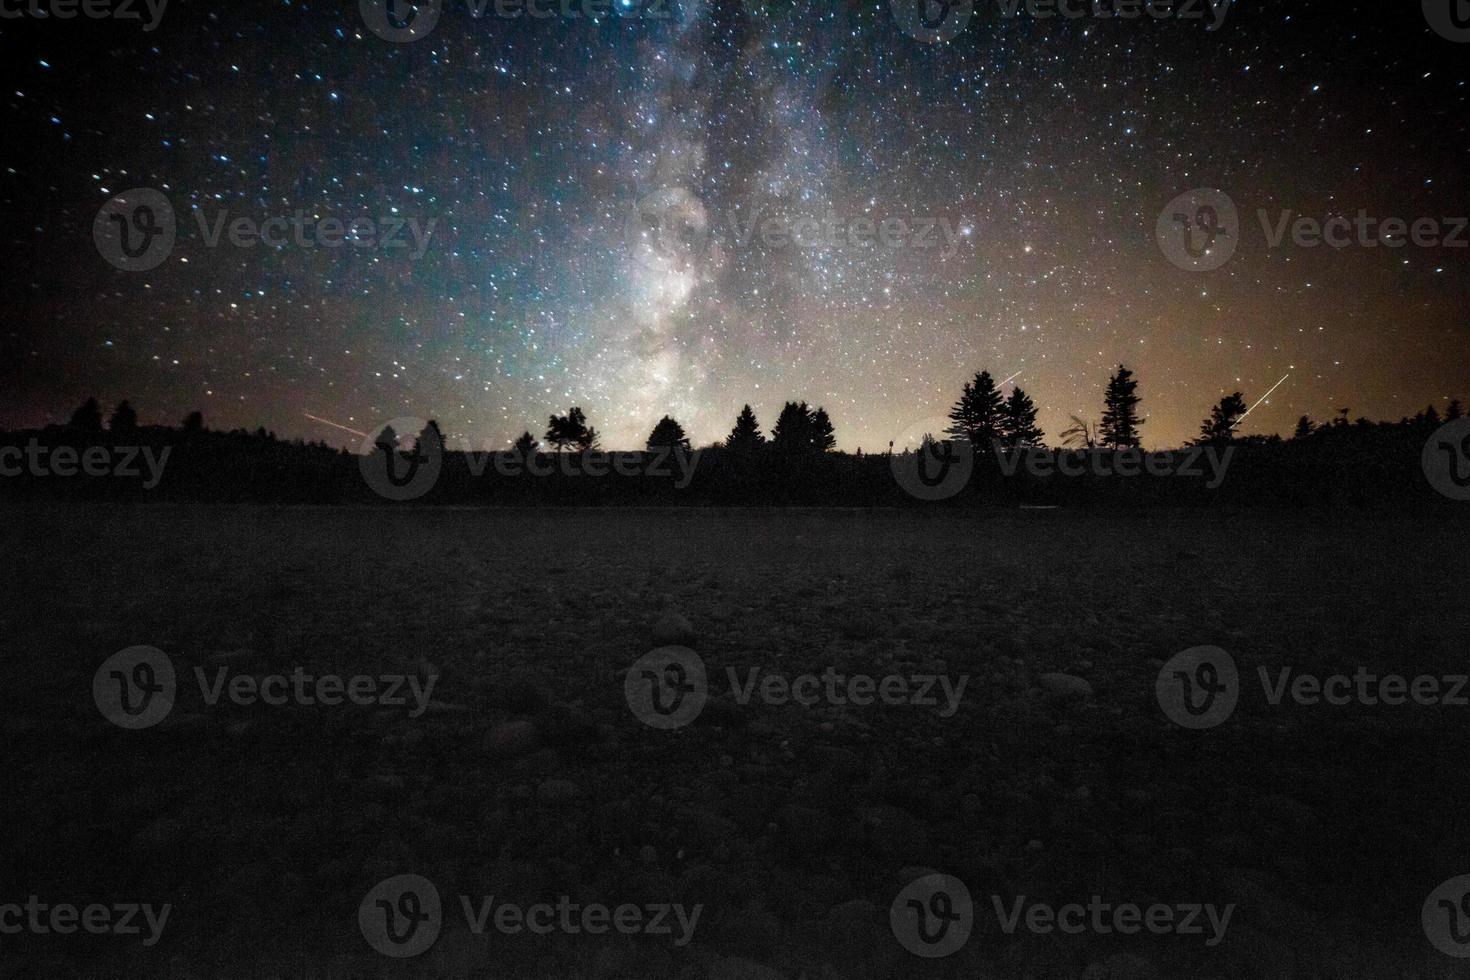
pixel 1322 464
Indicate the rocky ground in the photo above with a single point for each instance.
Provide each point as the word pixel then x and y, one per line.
pixel 528 777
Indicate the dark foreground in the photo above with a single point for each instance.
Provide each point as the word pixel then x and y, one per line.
pixel 528 778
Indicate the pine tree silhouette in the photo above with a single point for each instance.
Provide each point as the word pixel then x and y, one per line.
pixel 1018 421
pixel 526 445
pixel 978 415
pixel 124 419
pixel 87 418
pixel 746 436
pixel 669 434
pixel 1220 426
pixel 823 438
pixel 1304 428
pixel 1120 420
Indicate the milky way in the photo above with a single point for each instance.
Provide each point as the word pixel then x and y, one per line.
pixel 680 208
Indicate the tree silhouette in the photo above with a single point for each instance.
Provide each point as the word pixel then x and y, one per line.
pixel 822 437
pixel 1081 434
pixel 790 436
pixel 1120 420
pixel 1304 428
pixel 977 416
pixel 526 445
pixel 746 436
pixel 1454 411
pixel 88 417
pixel 124 419
pixel 193 423
pixel 387 441
pixel 668 434
pixel 1220 426
pixel 430 440
pixel 571 429
pixel 1018 421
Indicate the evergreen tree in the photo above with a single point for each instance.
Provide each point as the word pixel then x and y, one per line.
pixel 430 441
pixel 1018 421
pixel 87 418
pixel 124 419
pixel 1304 428
pixel 1120 420
pixel 791 435
pixel 668 434
pixel 746 436
pixel 823 438
pixel 193 423
pixel 526 445
pixel 387 440
pixel 1454 411
pixel 1220 426
pixel 977 416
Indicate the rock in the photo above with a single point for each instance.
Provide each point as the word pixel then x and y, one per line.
pixel 557 791
pixel 1065 685
pixel 673 629
pixel 511 740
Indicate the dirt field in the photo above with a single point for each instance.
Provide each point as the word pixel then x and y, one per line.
pixel 528 777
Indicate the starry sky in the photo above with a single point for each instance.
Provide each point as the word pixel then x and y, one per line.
pixel 590 178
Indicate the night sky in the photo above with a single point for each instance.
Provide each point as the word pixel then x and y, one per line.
pixel 1047 147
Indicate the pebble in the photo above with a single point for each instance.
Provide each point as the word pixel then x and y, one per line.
pixel 1065 685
